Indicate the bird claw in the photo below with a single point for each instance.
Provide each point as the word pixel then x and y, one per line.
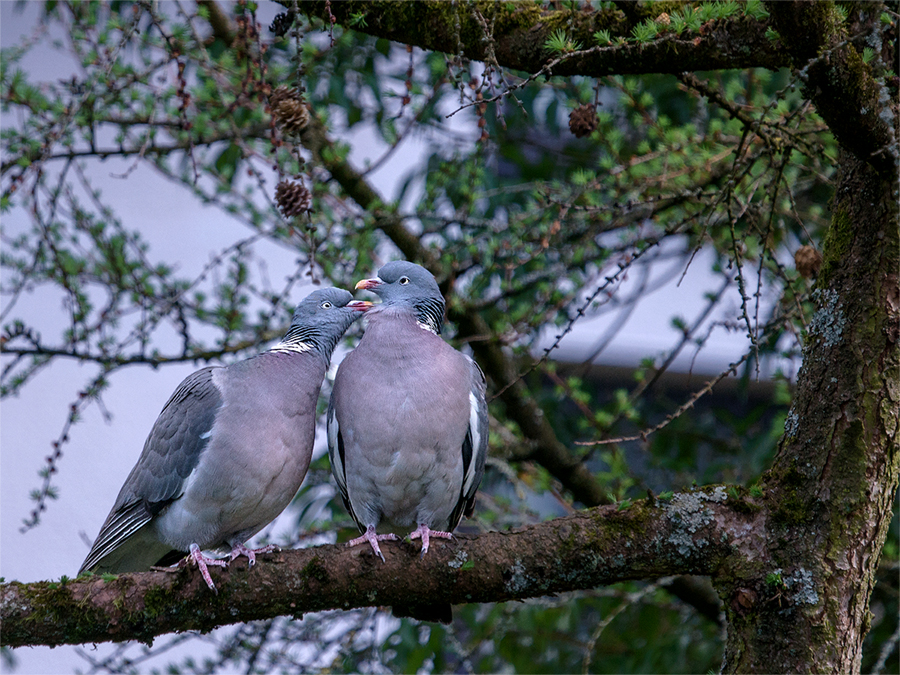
pixel 171 569
pixel 424 533
pixel 202 562
pixel 373 539
pixel 239 550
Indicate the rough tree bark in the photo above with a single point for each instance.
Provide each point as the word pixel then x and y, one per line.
pixel 520 30
pixel 698 531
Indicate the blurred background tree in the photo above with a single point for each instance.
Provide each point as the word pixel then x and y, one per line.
pixel 567 160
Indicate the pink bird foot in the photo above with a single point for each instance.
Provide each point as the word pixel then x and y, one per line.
pixel 424 533
pixel 373 539
pixel 202 561
pixel 239 550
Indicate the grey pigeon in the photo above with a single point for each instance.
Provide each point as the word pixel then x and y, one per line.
pixel 407 422
pixel 228 451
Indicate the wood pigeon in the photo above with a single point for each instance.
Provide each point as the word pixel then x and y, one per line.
pixel 407 421
pixel 228 451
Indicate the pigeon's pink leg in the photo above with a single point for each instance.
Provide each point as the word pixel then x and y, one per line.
pixel 202 561
pixel 239 549
pixel 423 532
pixel 373 539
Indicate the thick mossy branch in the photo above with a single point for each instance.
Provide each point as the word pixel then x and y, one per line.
pixel 858 109
pixel 520 30
pixel 694 532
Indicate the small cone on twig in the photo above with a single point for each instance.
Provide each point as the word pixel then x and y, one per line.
pixel 293 198
pixel 583 120
pixel 289 110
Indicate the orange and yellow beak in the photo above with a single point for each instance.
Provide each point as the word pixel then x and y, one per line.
pixel 369 284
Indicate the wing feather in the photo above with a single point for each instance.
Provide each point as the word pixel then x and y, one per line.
pixel 172 451
pixel 474 448
pixel 337 459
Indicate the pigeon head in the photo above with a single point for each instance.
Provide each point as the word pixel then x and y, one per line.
pixel 327 305
pixel 405 284
pixel 320 320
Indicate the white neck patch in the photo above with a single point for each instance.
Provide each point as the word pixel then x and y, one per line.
pixel 291 347
pixel 426 326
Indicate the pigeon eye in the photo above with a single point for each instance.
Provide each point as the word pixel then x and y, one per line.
pixel 404 281
pixel 326 305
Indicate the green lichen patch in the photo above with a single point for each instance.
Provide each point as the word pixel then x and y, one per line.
pixel 838 241
pixel 460 560
pixel 57 601
pixel 515 578
pixel 829 321
pixel 740 500
pixel 690 514
pixel 848 468
pixel 314 569
pixel 792 509
pixel 802 587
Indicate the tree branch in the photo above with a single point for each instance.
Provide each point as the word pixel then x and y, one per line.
pixel 116 360
pixel 520 31
pixel 132 150
pixel 219 21
pixel 856 107
pixel 694 533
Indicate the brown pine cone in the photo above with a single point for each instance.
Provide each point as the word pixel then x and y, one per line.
pixel 293 198
pixel 583 120
pixel 292 116
pixel 283 93
pixel 808 261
